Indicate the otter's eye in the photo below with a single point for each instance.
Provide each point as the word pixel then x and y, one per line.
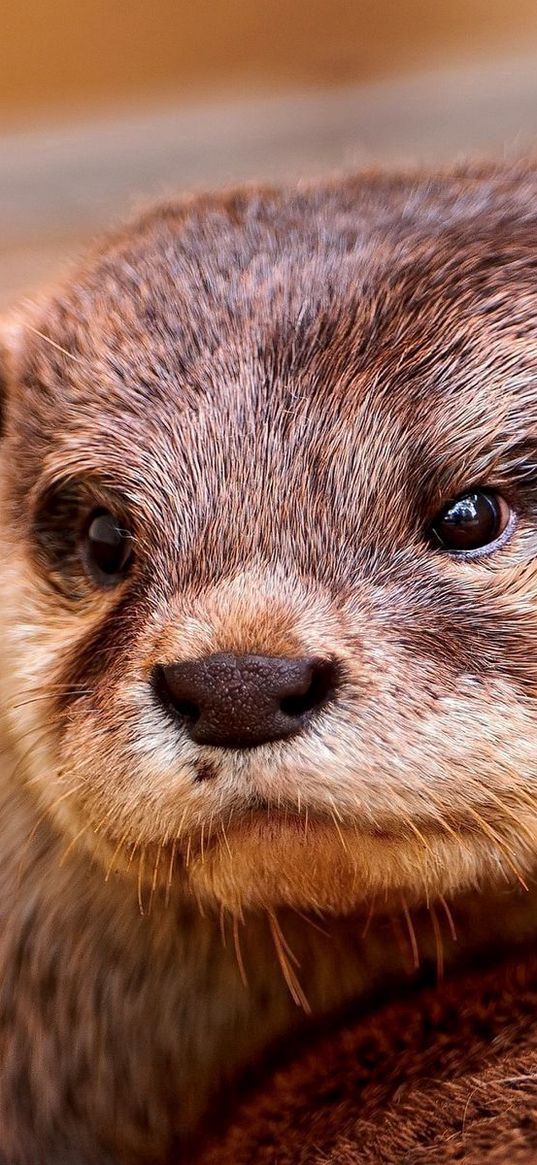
pixel 472 522
pixel 107 548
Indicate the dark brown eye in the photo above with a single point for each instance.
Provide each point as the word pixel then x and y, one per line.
pixel 471 522
pixel 107 548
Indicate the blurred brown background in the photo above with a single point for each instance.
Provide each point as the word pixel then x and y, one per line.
pixel 104 103
pixel 90 54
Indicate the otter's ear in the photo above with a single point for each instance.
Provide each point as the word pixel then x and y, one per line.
pixel 11 331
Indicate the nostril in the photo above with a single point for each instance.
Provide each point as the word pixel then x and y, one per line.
pixel 188 709
pixel 318 690
pixel 173 699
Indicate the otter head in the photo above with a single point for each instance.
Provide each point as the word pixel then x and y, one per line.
pixel 269 543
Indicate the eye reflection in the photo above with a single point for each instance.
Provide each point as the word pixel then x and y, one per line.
pixel 473 521
pixel 107 548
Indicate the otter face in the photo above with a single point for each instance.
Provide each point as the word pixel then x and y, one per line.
pixel 269 544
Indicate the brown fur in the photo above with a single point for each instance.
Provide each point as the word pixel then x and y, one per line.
pixel 276 391
pixel 449 1075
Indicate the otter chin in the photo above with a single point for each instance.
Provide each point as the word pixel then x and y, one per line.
pixel 268 561
pixel 317 867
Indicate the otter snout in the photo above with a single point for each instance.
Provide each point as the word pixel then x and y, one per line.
pixel 241 701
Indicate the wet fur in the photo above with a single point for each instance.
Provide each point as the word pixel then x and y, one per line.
pixel 277 390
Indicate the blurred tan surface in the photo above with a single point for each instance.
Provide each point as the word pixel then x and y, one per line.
pixel 109 103
pixel 60 54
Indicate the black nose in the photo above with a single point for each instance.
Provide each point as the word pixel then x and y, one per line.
pixel 239 701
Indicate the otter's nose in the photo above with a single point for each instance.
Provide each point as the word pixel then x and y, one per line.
pixel 240 701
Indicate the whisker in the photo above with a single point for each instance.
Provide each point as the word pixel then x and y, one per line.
pixel 238 952
pixel 412 936
pixel 336 810
pixel 100 829
pixel 72 844
pixel 170 874
pixel 53 344
pixel 417 833
pixel 494 836
pixel 69 688
pixel 118 848
pixel 140 879
pixel 223 926
pixel 402 945
pixel 444 824
pixel 155 876
pixel 226 842
pixel 282 950
pixel 450 920
pixel 521 827
pixel 439 944
pixel 315 925
pixel 285 945
pixel 44 697
pixel 368 920
pixel 48 810
pixel 337 828
pixel 181 823
pixel 40 734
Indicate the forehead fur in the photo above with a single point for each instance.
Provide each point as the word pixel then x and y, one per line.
pixel 308 342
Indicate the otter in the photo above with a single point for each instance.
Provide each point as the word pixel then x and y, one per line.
pixel 269 612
